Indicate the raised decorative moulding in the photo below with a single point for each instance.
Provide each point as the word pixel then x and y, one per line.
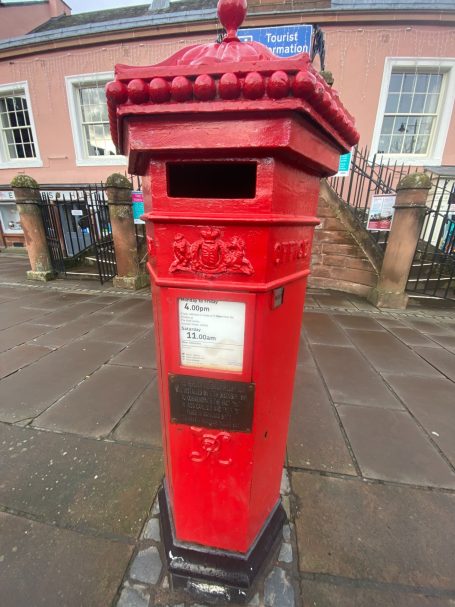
pixel 234 75
pixel 210 254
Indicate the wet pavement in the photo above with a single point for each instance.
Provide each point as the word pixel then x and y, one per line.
pixel 371 449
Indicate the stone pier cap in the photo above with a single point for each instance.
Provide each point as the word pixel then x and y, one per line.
pixel 224 77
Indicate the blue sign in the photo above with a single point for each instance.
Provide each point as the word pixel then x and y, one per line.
pixel 283 41
pixel 138 206
pixel 344 165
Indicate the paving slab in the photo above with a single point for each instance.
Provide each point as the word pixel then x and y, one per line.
pixel 334 300
pixel 42 565
pixel 11 314
pixel 142 423
pixel 304 355
pixel 141 353
pixel 95 406
pixel 432 402
pixel 310 301
pixel 71 298
pixel 315 439
pixel 412 337
pixel 117 332
pixel 350 379
pixel 118 308
pixel 42 383
pixel 69 313
pixel 389 445
pixel 440 358
pixel 51 300
pixel 19 334
pixel 362 304
pixel 320 328
pixel 447 341
pixel 19 357
pixel 91 486
pixel 356 321
pixel 377 532
pixel 140 314
pixel 387 354
pixel 319 593
pixel 12 292
pixel 41 301
pixel 389 321
pixel 108 299
pixel 428 326
pixel 69 331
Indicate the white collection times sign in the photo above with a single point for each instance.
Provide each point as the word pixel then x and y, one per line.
pixel 212 334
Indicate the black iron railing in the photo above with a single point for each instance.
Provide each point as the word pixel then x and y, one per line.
pixel 369 174
pixel 433 268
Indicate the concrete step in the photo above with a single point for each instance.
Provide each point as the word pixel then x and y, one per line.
pixel 332 248
pixel 431 279
pixel 333 236
pixel 363 277
pixel 347 261
pixel 94 261
pixel 83 275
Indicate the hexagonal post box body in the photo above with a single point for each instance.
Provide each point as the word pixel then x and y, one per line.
pixel 231 143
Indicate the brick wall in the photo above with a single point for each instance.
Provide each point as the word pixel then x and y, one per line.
pixel 343 258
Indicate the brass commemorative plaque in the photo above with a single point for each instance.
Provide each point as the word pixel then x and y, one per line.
pixel 211 403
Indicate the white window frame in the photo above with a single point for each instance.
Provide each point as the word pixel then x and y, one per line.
pixel 437 143
pixel 73 83
pixel 19 163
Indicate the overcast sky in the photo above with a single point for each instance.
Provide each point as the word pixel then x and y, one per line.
pixel 84 6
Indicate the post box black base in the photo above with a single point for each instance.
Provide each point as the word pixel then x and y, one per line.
pixel 218 576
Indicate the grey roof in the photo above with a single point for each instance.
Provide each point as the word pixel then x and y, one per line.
pixel 67 29
pixel 389 5
pixel 169 7
pixel 124 14
pixel 165 12
pixel 80 19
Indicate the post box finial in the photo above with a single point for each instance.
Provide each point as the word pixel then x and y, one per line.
pixel 231 13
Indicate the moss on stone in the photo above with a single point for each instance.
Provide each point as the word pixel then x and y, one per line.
pixel 117 180
pixel 24 181
pixel 328 77
pixel 415 181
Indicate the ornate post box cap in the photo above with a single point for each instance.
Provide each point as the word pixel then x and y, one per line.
pixel 228 76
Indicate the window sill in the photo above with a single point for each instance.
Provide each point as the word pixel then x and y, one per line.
pixel 21 164
pixel 107 161
pixel 413 161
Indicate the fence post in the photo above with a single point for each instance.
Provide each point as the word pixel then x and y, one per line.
pixel 129 275
pixel 27 195
pixel 412 192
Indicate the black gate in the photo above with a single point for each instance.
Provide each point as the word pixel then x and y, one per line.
pixel 433 268
pixel 79 233
pixel 52 227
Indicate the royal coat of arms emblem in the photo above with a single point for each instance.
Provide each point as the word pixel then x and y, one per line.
pixel 210 254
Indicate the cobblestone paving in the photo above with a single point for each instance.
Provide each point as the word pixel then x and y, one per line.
pixel 146 583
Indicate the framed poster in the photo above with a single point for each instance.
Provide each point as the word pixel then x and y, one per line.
pixel 212 333
pixel 138 206
pixel 381 212
pixel 344 165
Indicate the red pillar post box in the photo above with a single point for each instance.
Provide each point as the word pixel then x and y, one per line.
pixel 231 142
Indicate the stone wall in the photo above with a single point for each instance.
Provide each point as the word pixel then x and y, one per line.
pixel 343 257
